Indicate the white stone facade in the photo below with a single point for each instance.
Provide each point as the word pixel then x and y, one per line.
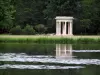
pixel 64 25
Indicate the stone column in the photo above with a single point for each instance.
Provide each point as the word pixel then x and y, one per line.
pixel 70 31
pixel 64 28
pixel 58 28
pixel 71 28
pixel 68 28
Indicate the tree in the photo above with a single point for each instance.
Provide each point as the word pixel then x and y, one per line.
pixel 7 15
pixel 28 30
pixel 90 14
pixel 30 12
pixel 16 30
pixel 40 28
pixel 96 17
pixel 86 15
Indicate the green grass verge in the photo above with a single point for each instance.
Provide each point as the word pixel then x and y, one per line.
pixel 62 40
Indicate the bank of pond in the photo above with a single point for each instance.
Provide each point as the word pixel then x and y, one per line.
pixel 61 40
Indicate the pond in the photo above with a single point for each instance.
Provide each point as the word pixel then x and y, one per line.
pixel 49 59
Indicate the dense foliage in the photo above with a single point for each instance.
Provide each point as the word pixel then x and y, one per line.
pixel 40 15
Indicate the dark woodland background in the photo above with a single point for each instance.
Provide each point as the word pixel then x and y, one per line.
pixel 38 16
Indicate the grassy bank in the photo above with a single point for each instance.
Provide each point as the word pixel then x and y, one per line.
pixel 49 39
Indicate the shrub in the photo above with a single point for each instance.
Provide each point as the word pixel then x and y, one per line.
pixel 40 28
pixel 28 30
pixel 16 30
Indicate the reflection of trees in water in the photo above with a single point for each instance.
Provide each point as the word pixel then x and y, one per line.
pixel 63 51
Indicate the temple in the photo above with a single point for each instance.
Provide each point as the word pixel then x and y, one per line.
pixel 64 25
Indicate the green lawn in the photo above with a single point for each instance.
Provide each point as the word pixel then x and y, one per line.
pixel 49 36
pixel 50 39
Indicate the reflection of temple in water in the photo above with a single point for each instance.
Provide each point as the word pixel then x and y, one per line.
pixel 63 51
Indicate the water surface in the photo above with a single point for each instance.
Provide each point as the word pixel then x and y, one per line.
pixel 49 59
